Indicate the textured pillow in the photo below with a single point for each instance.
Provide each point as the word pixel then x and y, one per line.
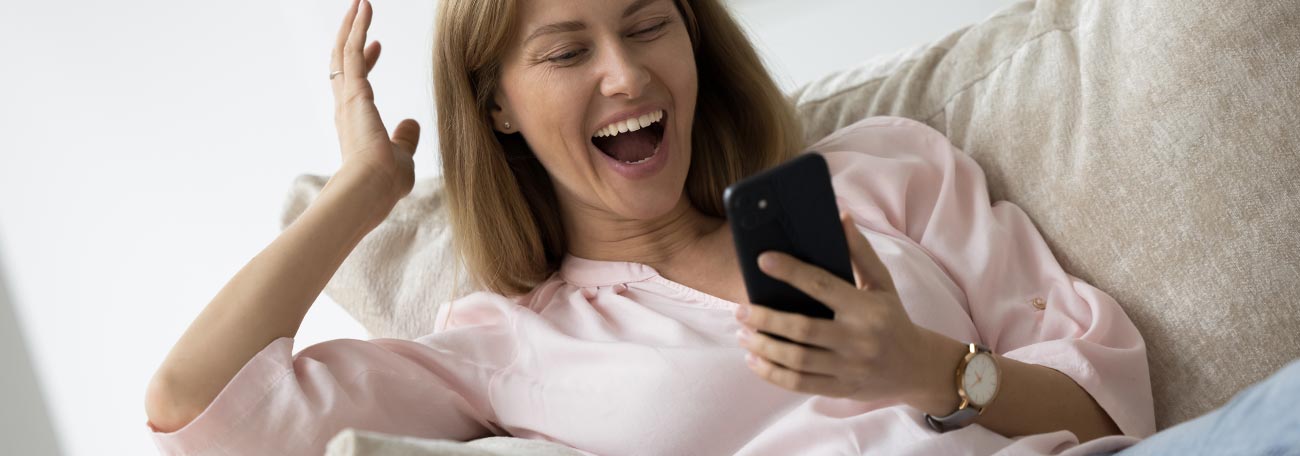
pixel 398 275
pixel 1155 144
pixel 354 442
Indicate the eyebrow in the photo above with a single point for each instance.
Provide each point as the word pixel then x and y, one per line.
pixel 573 26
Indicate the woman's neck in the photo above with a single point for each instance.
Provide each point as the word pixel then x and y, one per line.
pixel 678 237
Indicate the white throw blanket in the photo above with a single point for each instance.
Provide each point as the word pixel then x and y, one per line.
pixel 352 442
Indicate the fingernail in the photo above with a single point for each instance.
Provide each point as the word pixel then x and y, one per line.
pixel 765 260
pixel 742 311
pixel 742 335
pixel 750 359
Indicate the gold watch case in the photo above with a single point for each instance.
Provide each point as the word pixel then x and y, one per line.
pixel 977 350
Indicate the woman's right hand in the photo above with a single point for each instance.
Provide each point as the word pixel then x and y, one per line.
pixel 363 140
pixel 268 298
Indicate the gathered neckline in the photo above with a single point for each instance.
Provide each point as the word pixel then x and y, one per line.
pixel 586 272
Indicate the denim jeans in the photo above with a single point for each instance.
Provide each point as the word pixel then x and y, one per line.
pixel 1263 419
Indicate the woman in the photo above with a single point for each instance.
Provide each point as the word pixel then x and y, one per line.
pixel 585 144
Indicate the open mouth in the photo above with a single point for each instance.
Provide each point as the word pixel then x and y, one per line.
pixel 634 140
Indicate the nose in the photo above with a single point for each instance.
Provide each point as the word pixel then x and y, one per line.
pixel 623 74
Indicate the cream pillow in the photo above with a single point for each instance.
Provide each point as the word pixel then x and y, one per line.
pixel 1154 143
pixel 398 275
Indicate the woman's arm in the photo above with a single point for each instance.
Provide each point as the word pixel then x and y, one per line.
pixel 1057 336
pixel 872 351
pixel 1072 360
pixel 1033 399
pixel 265 300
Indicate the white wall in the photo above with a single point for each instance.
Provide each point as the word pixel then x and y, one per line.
pixel 146 148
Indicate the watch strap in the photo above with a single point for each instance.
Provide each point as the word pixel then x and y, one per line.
pixel 956 420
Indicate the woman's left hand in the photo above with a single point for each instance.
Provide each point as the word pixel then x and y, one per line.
pixel 870 351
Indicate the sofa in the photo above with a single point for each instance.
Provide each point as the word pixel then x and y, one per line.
pixel 1155 144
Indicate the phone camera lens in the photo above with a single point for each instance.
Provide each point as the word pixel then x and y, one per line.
pixel 741 202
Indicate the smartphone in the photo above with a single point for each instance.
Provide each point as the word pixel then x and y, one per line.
pixel 789 208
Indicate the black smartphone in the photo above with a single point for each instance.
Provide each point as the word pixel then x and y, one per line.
pixel 789 208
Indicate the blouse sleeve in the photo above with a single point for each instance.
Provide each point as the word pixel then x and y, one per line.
pixel 435 386
pixel 936 195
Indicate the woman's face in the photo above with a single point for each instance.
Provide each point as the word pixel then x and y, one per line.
pixel 578 73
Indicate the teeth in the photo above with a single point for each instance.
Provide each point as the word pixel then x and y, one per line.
pixel 633 124
pixel 643 160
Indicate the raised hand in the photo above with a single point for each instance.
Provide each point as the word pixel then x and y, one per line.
pixel 363 140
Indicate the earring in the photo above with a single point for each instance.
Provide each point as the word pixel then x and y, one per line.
pixel 507 125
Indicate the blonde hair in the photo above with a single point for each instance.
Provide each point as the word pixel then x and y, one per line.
pixel 504 214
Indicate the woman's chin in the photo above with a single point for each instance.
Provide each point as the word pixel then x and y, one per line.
pixel 647 207
pixel 647 189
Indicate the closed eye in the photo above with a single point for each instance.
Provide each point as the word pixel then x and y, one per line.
pixel 652 29
pixel 567 56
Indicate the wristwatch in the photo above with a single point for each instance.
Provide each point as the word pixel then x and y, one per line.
pixel 978 381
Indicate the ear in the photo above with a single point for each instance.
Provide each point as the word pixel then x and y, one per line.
pixel 501 115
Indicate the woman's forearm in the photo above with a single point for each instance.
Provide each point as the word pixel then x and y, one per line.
pixel 1032 399
pixel 267 299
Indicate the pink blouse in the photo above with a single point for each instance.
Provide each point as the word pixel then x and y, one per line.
pixel 611 358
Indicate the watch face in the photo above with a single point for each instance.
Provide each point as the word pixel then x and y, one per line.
pixel 980 379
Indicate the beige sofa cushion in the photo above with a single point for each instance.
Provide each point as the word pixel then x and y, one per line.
pixel 398 275
pixel 352 442
pixel 1154 143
